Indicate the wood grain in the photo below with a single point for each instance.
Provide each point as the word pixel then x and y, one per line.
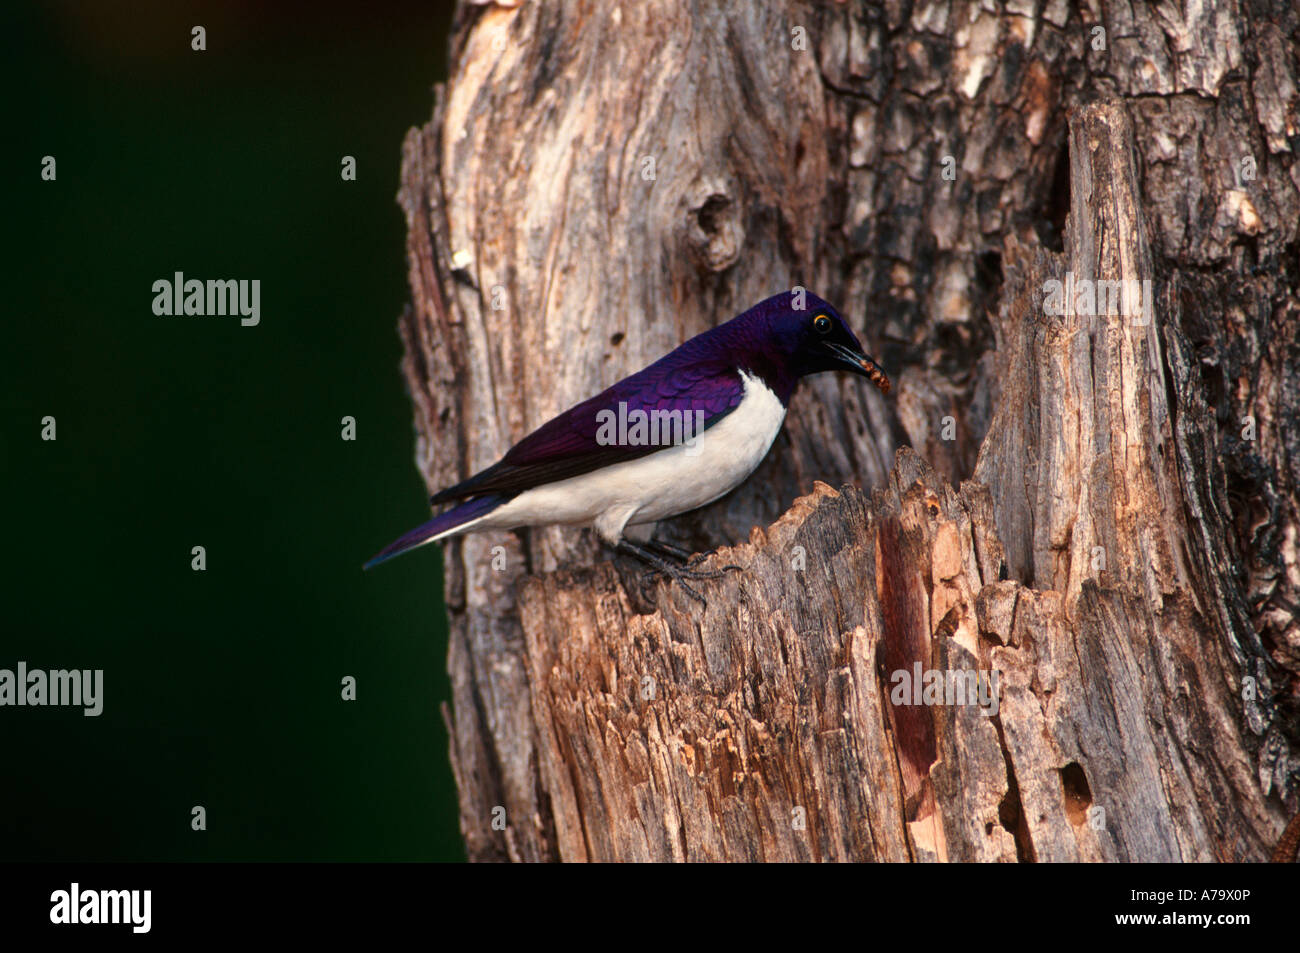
pixel 1100 510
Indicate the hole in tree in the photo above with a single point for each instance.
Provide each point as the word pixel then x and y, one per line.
pixel 1078 796
pixel 1008 812
pixel 1051 227
pixel 710 213
pixel 1012 818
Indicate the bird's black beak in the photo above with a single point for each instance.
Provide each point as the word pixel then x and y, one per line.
pixel 860 364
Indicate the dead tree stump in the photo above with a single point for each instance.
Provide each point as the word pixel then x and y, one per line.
pixel 1101 509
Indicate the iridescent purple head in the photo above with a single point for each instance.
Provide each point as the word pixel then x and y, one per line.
pixel 796 333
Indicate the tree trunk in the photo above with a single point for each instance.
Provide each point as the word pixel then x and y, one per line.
pixel 600 182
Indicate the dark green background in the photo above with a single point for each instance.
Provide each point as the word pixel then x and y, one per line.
pixel 222 688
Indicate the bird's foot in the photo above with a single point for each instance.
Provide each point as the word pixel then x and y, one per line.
pixel 673 552
pixel 683 555
pixel 660 558
pixel 669 550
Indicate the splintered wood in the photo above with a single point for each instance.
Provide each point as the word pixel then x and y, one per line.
pixel 1080 305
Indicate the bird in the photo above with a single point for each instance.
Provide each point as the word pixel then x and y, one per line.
pixel 673 437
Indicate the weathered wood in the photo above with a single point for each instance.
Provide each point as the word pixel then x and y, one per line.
pixel 691 734
pixel 545 263
pixel 1097 467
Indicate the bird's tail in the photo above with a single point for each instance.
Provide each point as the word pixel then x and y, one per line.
pixel 445 524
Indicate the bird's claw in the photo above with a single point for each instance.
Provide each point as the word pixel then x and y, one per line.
pixel 648 579
pixel 659 556
pixel 687 558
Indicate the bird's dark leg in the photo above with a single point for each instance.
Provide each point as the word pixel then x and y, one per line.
pixel 663 565
pixel 668 549
pixel 684 556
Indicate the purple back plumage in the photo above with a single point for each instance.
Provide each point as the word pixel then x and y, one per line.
pixel 700 375
pixel 700 381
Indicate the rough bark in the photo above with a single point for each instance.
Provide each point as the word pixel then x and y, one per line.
pixel 1129 548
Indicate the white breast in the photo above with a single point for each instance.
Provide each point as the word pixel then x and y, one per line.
pixel 660 484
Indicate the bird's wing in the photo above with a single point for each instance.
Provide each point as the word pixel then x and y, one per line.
pixel 567 446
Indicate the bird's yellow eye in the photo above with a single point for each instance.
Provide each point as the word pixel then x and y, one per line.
pixel 822 323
